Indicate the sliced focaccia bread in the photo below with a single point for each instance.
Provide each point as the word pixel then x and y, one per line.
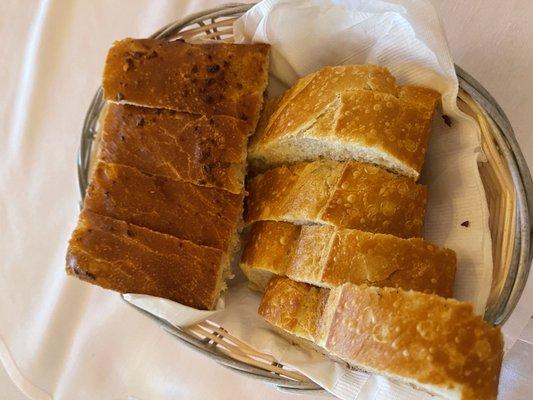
pixel 207 151
pixel 131 259
pixel 206 216
pixel 207 79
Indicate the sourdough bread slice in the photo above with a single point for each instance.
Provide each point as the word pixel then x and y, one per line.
pixel 353 112
pixel 344 194
pixel 328 257
pixel 434 343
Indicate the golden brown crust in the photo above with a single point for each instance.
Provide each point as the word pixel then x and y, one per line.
pixel 293 307
pixel 270 245
pixel 307 99
pixel 130 259
pixel 432 340
pixel 206 216
pixel 208 151
pixel 424 339
pixel 395 126
pixel 349 194
pixel 208 79
pixel 356 105
pixel 329 257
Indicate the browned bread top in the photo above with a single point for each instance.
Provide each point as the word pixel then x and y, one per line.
pixel 352 112
pixel 208 151
pixel 344 194
pixel 130 259
pixel 203 215
pixel 209 79
pixel 294 307
pixel 326 256
pixel 435 343
pixel 308 98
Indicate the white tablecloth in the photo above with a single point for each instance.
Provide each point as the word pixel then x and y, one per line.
pixel 52 55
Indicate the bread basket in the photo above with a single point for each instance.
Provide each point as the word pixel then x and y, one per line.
pixel 506 178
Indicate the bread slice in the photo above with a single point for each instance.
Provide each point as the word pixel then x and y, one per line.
pixel 130 259
pixel 206 216
pixel 294 307
pixel 207 79
pixel 434 343
pixel 328 257
pixel 209 151
pixel 353 112
pixel 344 194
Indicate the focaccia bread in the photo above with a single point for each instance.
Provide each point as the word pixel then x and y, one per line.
pixel 437 344
pixel 327 256
pixel 207 151
pixel 130 259
pixel 351 112
pixel 344 194
pixel 203 215
pixel 207 79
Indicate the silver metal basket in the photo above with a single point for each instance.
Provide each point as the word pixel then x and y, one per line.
pixel 505 176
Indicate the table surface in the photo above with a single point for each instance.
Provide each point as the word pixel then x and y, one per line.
pixel 491 39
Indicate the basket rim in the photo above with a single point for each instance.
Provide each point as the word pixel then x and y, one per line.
pixel 504 136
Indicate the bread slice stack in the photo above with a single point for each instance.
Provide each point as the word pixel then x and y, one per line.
pixel 335 240
pixel 163 210
pixel 353 221
pixel 434 343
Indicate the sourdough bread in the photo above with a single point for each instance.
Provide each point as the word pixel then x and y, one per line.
pixel 353 112
pixel 434 343
pixel 328 257
pixel 344 194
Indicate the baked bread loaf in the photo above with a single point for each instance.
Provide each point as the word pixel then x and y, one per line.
pixel 163 208
pixel 206 79
pixel 130 259
pixel 327 256
pixel 205 216
pixel 344 194
pixel 353 112
pixel 434 343
pixel 208 151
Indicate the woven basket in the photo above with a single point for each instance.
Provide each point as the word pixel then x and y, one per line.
pixel 505 176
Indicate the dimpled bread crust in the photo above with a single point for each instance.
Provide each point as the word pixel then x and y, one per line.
pixel 434 343
pixel 327 256
pixel 353 112
pixel 344 194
